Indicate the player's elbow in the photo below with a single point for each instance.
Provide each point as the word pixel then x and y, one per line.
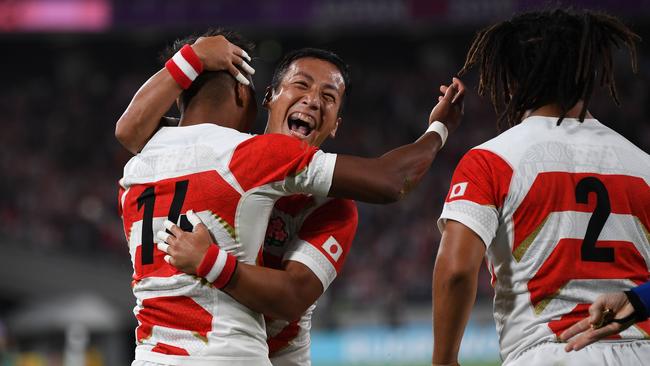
pixel 455 273
pixel 390 192
pixel 293 313
pixel 290 310
pixel 125 134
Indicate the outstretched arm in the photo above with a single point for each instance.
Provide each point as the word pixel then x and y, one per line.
pixel 394 174
pixel 455 277
pixel 143 115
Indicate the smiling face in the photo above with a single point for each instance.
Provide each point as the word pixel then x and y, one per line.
pixel 307 100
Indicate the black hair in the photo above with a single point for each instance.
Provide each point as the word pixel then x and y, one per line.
pixel 206 76
pixel 317 53
pixel 551 56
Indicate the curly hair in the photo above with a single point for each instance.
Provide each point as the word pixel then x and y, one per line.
pixel 552 56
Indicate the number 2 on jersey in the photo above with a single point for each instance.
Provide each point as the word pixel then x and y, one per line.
pixel 589 251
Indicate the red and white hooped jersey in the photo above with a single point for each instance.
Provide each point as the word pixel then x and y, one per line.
pixel 565 214
pixel 231 180
pixel 317 232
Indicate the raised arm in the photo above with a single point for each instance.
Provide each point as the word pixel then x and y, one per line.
pixel 394 174
pixel 154 98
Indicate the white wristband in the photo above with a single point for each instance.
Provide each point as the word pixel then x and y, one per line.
pixel 440 129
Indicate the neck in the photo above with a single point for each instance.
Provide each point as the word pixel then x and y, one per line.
pixel 554 110
pixel 220 114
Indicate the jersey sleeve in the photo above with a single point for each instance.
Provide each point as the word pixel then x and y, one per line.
pixel 478 190
pixel 325 238
pixel 642 293
pixel 286 164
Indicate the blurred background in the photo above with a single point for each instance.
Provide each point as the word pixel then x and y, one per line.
pixel 70 68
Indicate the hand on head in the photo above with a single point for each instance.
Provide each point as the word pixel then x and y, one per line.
pixel 217 54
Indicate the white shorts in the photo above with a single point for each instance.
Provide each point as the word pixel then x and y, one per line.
pixel 631 353
pixel 146 363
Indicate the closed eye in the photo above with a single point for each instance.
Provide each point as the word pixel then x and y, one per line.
pixel 330 98
pixel 301 84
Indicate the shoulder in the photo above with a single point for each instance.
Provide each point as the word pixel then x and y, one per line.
pixel 273 142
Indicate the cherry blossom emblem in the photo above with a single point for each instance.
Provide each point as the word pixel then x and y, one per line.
pixel 276 233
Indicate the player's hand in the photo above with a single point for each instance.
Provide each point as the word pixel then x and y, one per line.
pixel 185 250
pixel 450 107
pixel 599 324
pixel 217 54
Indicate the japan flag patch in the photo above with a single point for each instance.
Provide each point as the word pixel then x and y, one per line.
pixel 458 190
pixel 333 248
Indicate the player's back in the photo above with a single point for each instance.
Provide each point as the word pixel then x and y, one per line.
pixel 231 180
pixel 565 212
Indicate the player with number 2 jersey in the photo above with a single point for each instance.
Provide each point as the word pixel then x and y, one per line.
pixel 564 217
pixel 559 204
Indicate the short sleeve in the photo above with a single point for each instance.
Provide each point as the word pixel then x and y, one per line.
pixel 292 165
pixel 478 190
pixel 325 238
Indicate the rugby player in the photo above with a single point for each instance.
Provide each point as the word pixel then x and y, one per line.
pixel 329 93
pixel 558 203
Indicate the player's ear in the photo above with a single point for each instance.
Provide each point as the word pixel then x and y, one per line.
pixel 339 120
pixel 240 94
pixel 268 94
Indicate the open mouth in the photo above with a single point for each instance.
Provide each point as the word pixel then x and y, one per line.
pixel 300 124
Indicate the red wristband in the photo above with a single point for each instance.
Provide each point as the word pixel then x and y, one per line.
pixel 208 261
pixel 184 66
pixel 217 266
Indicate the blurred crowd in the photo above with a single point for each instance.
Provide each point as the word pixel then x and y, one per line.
pixel 60 161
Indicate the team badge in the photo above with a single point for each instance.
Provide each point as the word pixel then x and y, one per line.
pixel 276 233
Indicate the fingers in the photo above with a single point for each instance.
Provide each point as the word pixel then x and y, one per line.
pixel 449 93
pixel 163 247
pixel 240 60
pixel 175 230
pixel 247 68
pixel 234 71
pixel 461 90
pixel 195 220
pixel 241 53
pixel 576 328
pixel 163 235
pixel 596 310
pixel 245 55
pixel 591 336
